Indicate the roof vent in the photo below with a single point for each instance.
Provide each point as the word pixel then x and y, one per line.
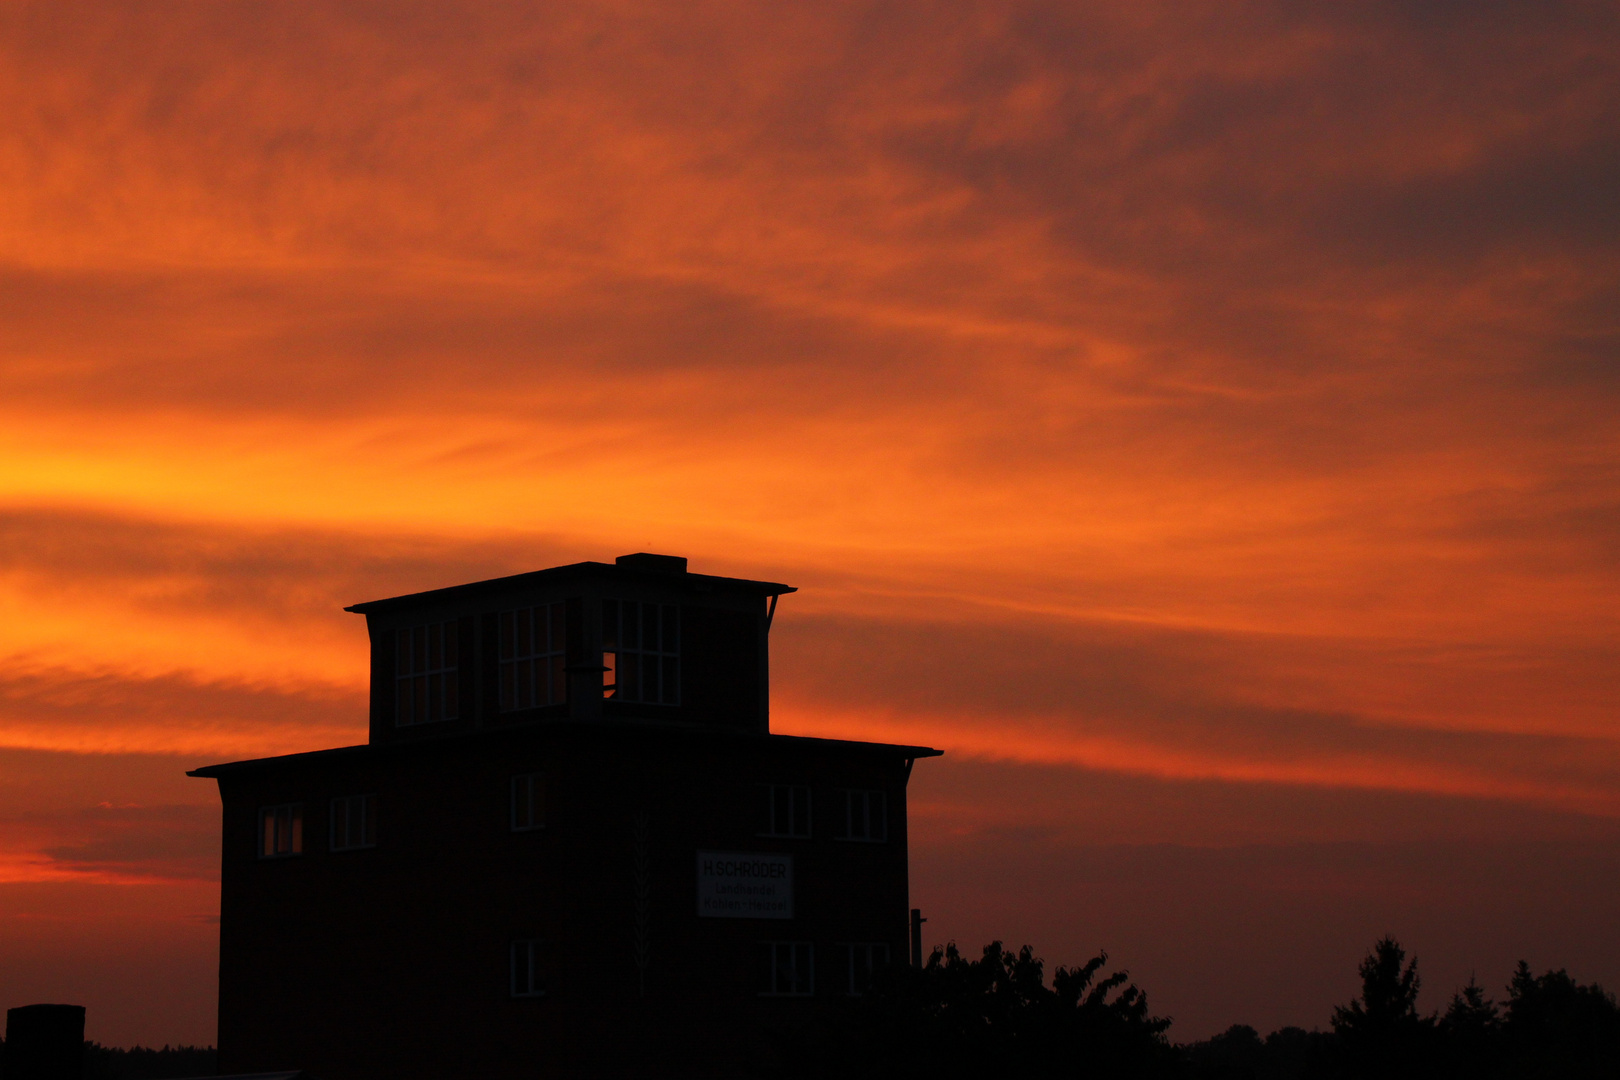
pixel 642 560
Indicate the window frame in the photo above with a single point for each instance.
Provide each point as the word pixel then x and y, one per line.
pixel 800 826
pixel 798 988
pixel 858 976
pixel 535 785
pixel 534 984
pixel 367 805
pixel 844 827
pixel 441 685
pixel 515 667
pixel 269 843
pixel 664 653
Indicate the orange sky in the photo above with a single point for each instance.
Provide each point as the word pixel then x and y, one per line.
pixel 1200 420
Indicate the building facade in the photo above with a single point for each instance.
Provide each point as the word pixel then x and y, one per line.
pixel 572 845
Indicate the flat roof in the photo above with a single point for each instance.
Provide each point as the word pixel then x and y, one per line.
pixel 611 728
pixel 608 571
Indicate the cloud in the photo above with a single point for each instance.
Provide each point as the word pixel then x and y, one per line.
pixel 1215 397
pixel 168 842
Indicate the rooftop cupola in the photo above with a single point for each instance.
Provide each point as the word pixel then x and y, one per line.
pixel 638 640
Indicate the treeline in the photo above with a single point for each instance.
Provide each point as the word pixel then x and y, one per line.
pixel 141 1063
pixel 997 1016
pixel 1549 1026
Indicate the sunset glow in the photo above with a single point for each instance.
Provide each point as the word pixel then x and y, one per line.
pixel 1196 395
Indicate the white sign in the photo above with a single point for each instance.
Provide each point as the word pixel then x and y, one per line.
pixel 744 885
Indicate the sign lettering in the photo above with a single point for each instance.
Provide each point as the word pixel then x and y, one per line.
pixel 744 885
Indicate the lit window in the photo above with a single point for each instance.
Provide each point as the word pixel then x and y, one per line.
pixel 785 810
pixel 281 830
pixel 533 646
pixel 528 802
pixel 788 969
pixel 425 687
pixel 527 980
pixel 863 960
pixel 354 822
pixel 861 815
pixel 641 650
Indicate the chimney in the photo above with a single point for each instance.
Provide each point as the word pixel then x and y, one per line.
pixel 644 560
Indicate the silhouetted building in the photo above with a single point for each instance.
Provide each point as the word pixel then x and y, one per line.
pixel 44 1042
pixel 572 845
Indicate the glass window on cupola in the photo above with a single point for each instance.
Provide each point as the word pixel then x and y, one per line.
pixel 641 652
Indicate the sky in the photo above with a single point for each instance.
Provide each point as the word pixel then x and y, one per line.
pixel 1201 420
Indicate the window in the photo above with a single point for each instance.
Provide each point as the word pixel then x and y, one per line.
pixel 641 649
pixel 533 647
pixel 528 802
pixel 861 815
pixel 281 830
pixel 526 976
pixel 354 822
pixel 864 959
pixel 425 687
pixel 785 810
pixel 789 969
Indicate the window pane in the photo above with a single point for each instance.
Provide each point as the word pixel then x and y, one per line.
pixel 297 838
pixel 880 824
pixel 801 811
pixel 649 627
pixel 404 651
pixel 521 622
pixel 629 665
pixel 559 691
pixel 672 639
pixel 671 684
pixel 629 638
pixel 452 698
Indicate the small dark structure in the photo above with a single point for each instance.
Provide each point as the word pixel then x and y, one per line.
pixel 44 1042
pixel 571 847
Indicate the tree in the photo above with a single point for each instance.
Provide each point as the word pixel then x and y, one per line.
pixel 995 1016
pixel 1557 1027
pixel 1382 1032
pixel 1471 1032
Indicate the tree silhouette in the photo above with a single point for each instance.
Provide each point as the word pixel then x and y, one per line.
pixel 995 1016
pixel 1557 1027
pixel 1382 1032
